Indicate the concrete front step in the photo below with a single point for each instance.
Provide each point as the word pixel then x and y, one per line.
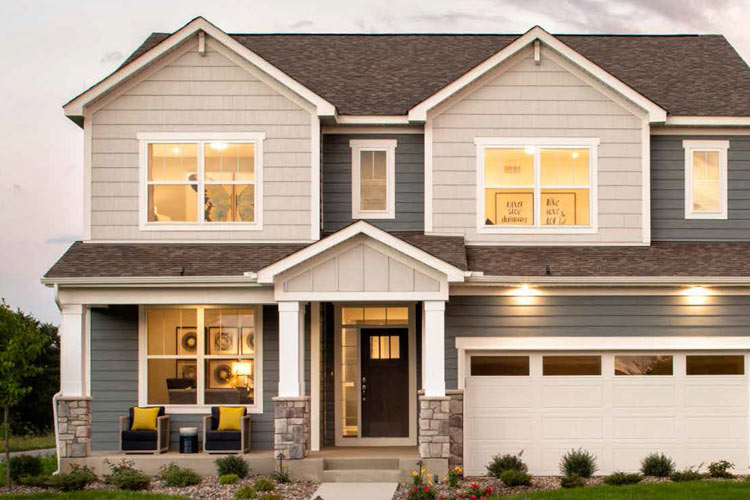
pixel 361 476
pixel 361 463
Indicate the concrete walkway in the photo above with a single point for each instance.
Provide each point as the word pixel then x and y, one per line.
pixel 360 491
pixel 46 451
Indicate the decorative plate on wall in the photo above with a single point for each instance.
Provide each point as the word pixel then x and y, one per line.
pixel 187 340
pixel 222 340
pixel 219 372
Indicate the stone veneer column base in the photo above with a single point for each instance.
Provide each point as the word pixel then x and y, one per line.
pixel 441 427
pixel 74 426
pixel 291 424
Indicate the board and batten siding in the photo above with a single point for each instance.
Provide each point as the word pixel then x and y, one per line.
pixel 114 376
pixel 535 101
pixel 590 316
pixel 192 93
pixel 668 222
pixel 337 182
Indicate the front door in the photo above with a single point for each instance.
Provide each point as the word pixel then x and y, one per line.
pixel 385 382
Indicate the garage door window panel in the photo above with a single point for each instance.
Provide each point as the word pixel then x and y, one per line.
pixel 554 366
pixel 500 366
pixel 715 364
pixel 644 365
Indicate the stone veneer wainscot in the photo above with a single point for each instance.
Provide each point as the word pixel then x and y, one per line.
pixel 74 426
pixel 441 424
pixel 291 423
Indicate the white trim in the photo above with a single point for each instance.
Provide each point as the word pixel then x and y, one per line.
pixel 717 146
pixel 201 139
pixel 76 106
pixel 151 280
pixel 709 121
pixel 72 347
pixel 724 132
pixel 551 290
pixel 613 343
pixel 200 242
pixel 315 376
pixel 267 274
pixel 538 143
pixel 433 342
pixel 389 147
pixel 610 280
pixel 646 181
pixel 87 351
pixel 200 357
pixel 428 190
pixel 88 124
pixel 315 166
pixel 419 112
pixel 371 130
pixel 372 119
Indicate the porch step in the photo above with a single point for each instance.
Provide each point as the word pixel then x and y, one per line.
pixel 361 476
pixel 360 463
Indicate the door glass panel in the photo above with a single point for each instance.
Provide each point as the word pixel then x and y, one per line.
pixel 499 366
pixel 397 315
pixel 375 315
pixel 643 365
pixel 385 351
pixel 352 315
pixel 374 348
pixel 349 373
pixel 716 364
pixel 571 365
pixel 395 347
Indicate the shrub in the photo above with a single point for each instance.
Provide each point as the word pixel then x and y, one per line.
pixel 454 476
pixel 572 481
pixel 37 481
pixel 721 469
pixel 25 465
pixel 175 476
pixel 281 476
pixel 689 474
pixel 270 496
pixel 245 493
pixel 578 462
pixel 657 465
pixel 501 463
pixel 77 479
pixel 228 479
pixel 622 478
pixel 512 478
pixel 263 484
pixel 232 464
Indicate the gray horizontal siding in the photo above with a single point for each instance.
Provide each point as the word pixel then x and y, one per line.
pixel 589 316
pixel 114 376
pixel 337 182
pixel 668 221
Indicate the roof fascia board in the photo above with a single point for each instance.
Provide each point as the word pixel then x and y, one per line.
pixel 75 106
pixel 709 121
pixel 655 112
pixel 513 281
pixel 151 280
pixel 267 274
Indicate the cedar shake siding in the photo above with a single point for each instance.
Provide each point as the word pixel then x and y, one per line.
pixel 337 182
pixel 523 99
pixel 668 222
pixel 114 376
pixel 185 92
pixel 591 316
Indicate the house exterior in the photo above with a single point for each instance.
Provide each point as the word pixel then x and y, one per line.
pixel 463 244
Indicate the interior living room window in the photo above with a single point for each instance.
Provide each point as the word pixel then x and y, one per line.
pixel 533 185
pixel 373 178
pixel 194 182
pixel 203 355
pixel 706 179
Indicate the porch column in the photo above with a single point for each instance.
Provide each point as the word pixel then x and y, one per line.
pixel 291 407
pixel 433 341
pixel 73 406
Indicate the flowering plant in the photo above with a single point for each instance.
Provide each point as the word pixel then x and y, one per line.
pixel 454 476
pixel 424 492
pixel 476 492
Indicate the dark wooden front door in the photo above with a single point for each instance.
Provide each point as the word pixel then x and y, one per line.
pixel 385 382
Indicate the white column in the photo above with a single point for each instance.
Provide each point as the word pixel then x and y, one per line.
pixel 291 350
pixel 433 348
pixel 72 360
pixel 315 376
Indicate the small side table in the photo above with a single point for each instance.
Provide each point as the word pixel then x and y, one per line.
pixel 188 440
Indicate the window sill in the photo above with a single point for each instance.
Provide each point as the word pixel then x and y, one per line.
pixel 240 226
pixel 711 216
pixel 536 230
pixel 374 216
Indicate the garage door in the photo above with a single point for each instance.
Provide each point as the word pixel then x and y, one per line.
pixel 619 406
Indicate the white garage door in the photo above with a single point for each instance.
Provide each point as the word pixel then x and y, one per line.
pixel 619 406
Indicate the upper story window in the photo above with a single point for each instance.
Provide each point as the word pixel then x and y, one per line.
pixel 705 179
pixel 373 178
pixel 201 181
pixel 536 185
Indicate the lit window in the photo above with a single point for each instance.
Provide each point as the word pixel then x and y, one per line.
pixel 202 183
pixel 535 186
pixel 643 365
pixel 706 179
pixel 499 366
pixel 190 365
pixel 715 364
pixel 385 347
pixel 373 178
pixel 571 365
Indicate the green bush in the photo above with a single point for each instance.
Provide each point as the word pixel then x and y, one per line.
pixel 25 465
pixel 512 478
pixel 263 484
pixel 175 476
pixel 572 481
pixel 689 474
pixel 281 476
pixel 232 464
pixel 129 479
pixel 270 496
pixel 245 493
pixel 578 462
pixel 76 480
pixel 501 463
pixel 622 478
pixel 228 479
pixel 720 469
pixel 657 465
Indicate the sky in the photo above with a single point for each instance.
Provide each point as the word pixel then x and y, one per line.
pixel 53 49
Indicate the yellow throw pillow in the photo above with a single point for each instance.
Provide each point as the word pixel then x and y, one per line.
pixel 144 419
pixel 230 418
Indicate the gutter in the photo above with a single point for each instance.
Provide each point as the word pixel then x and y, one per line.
pixel 605 281
pixel 244 280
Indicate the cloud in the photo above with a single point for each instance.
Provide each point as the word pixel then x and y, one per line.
pixel 17 188
pixel 304 25
pixel 63 238
pixel 111 57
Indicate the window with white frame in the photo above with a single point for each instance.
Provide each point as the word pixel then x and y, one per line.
pixel 201 180
pixel 201 355
pixel 373 178
pixel 536 185
pixel 706 179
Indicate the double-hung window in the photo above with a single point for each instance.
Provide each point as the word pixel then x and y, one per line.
pixel 373 178
pixel 201 180
pixel 536 185
pixel 706 179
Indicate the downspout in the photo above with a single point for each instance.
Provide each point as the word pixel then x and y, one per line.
pixel 55 398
